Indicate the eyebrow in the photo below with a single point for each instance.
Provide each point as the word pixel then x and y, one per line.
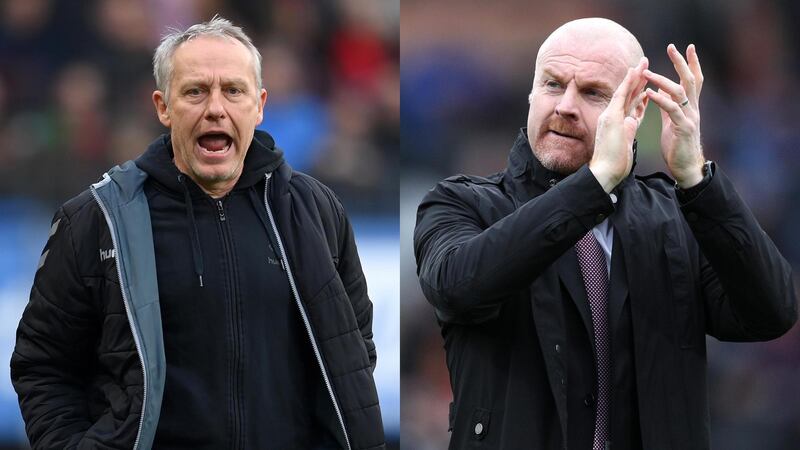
pixel 587 83
pixel 205 81
pixel 237 80
pixel 597 84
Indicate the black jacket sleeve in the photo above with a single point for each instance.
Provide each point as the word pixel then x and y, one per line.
pixel 466 267
pixel 352 276
pixel 54 347
pixel 747 285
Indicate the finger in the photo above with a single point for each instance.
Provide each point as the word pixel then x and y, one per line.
pixel 639 101
pixel 636 101
pixel 674 89
pixel 637 95
pixel 621 94
pixel 694 66
pixel 639 82
pixel 687 77
pixel 630 126
pixel 673 110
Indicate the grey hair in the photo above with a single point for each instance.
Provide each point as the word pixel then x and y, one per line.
pixel 217 26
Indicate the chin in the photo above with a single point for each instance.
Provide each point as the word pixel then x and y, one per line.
pixel 559 161
pixel 213 174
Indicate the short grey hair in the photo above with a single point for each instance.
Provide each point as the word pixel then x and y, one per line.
pixel 217 26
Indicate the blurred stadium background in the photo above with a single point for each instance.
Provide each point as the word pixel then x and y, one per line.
pixel 75 85
pixel 466 71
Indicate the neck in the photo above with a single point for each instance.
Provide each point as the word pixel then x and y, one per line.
pixel 217 191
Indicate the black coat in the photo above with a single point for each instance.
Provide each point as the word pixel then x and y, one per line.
pixel 495 259
pixel 75 365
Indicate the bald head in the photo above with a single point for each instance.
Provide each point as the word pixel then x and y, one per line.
pixel 595 31
pixel 578 69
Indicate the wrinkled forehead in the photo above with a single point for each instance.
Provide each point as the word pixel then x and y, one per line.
pixel 605 58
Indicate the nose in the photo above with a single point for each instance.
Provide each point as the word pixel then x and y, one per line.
pixel 215 109
pixel 567 106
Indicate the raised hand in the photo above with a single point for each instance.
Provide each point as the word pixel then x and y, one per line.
pixel 616 128
pixel 680 116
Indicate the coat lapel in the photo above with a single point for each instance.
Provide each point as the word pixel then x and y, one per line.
pixel 569 272
pixel 636 224
pixel 618 282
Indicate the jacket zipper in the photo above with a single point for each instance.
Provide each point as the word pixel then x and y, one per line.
pixel 125 302
pixel 235 325
pixel 221 211
pixel 302 310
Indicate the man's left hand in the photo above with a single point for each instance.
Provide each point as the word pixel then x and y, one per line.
pixel 680 116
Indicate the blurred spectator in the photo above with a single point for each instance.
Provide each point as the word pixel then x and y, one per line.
pixel 80 120
pixel 296 117
pixel 71 74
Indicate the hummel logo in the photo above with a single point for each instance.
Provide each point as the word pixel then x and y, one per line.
pixel 106 254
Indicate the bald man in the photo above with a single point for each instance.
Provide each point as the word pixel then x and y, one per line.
pixel 574 297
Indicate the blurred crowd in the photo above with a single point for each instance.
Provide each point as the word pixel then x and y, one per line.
pixel 76 81
pixel 466 71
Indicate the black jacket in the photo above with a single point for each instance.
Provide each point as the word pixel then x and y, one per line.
pixel 495 259
pixel 75 365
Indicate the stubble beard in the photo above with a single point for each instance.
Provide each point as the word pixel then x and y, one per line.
pixel 560 161
pixel 557 159
pixel 213 177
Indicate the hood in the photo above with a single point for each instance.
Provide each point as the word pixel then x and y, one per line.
pixel 262 157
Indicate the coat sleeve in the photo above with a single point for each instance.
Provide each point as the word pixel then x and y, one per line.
pixel 746 284
pixel 467 267
pixel 54 346
pixel 352 276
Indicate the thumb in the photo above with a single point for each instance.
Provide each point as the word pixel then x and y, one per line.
pixel 630 126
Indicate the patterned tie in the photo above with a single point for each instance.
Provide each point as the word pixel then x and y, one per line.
pixel 592 260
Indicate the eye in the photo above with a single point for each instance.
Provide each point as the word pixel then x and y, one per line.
pixel 233 91
pixel 552 84
pixel 596 94
pixel 193 92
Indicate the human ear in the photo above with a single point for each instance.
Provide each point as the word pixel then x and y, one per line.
pixel 262 100
pixel 162 111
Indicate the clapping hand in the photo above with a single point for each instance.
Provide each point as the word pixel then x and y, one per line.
pixel 680 116
pixel 616 128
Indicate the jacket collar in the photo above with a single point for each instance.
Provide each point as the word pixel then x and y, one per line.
pixel 525 167
pixel 157 162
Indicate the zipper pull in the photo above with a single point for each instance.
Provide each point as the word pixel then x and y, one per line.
pixel 221 211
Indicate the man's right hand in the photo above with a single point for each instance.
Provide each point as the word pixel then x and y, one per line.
pixel 616 128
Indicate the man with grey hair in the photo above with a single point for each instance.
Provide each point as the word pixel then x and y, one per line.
pixel 574 297
pixel 205 295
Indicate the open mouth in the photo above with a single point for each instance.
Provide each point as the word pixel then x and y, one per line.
pixel 215 142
